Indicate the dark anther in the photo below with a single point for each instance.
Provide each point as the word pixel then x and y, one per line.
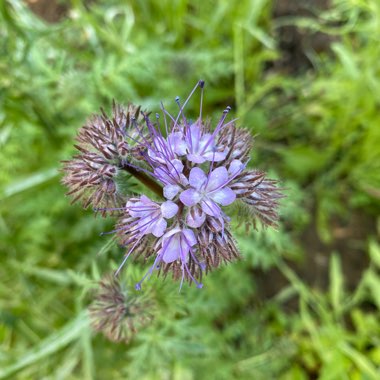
pixel 201 83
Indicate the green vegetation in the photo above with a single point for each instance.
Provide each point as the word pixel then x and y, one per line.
pixel 304 303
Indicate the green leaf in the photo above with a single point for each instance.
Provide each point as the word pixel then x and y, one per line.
pixel 29 182
pixel 373 283
pixel 336 283
pixel 360 361
pixel 49 346
pixel 374 253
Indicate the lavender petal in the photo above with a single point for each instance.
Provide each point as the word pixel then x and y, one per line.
pixel 195 217
pixel 172 250
pixel 223 196
pixel 176 140
pixel 214 156
pixel 169 209
pixel 235 168
pixel 218 178
pixel 190 238
pixel 197 178
pixel 196 158
pixel 170 191
pixel 195 136
pixel 159 227
pixel 190 197
pixel 211 208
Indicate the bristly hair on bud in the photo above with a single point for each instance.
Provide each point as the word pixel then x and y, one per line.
pixel 195 169
pixel 117 314
pixel 105 147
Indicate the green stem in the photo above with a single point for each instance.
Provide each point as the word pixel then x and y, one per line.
pixel 144 179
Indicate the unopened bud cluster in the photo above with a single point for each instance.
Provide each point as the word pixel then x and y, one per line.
pixel 117 314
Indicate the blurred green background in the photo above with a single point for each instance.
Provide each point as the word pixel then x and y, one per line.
pixel 304 76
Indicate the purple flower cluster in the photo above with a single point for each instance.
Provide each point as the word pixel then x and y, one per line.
pixel 197 171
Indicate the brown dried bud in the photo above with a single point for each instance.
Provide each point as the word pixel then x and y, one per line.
pixel 216 248
pixel 116 314
pixel 104 144
pixel 261 194
pixel 238 142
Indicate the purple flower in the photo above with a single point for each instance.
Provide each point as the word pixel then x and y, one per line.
pixel 150 216
pixel 201 146
pixel 161 150
pixel 176 247
pixel 178 143
pixel 235 168
pixel 176 244
pixel 197 169
pixel 170 175
pixel 209 192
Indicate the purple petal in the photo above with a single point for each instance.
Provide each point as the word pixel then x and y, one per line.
pixel 236 167
pixel 169 209
pixel 195 134
pixel 160 150
pixel 170 172
pixel 196 158
pixel 133 209
pixel 189 238
pixel 162 175
pixel 206 141
pixel 214 156
pixel 172 249
pixel 190 197
pixel 211 208
pixel 183 180
pixel 171 232
pixel 197 178
pixel 136 213
pixel 195 217
pixel 146 200
pixel 218 178
pixel 152 154
pixel 178 143
pixel 176 167
pixel 223 196
pixel 158 228
pixel 170 191
pixel 142 207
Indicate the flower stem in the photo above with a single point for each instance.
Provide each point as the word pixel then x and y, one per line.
pixel 144 179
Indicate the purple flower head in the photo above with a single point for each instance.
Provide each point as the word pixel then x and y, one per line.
pixel 161 150
pixel 150 216
pixel 175 246
pixel 178 143
pixel 171 176
pixel 201 146
pixel 209 192
pixel 195 169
